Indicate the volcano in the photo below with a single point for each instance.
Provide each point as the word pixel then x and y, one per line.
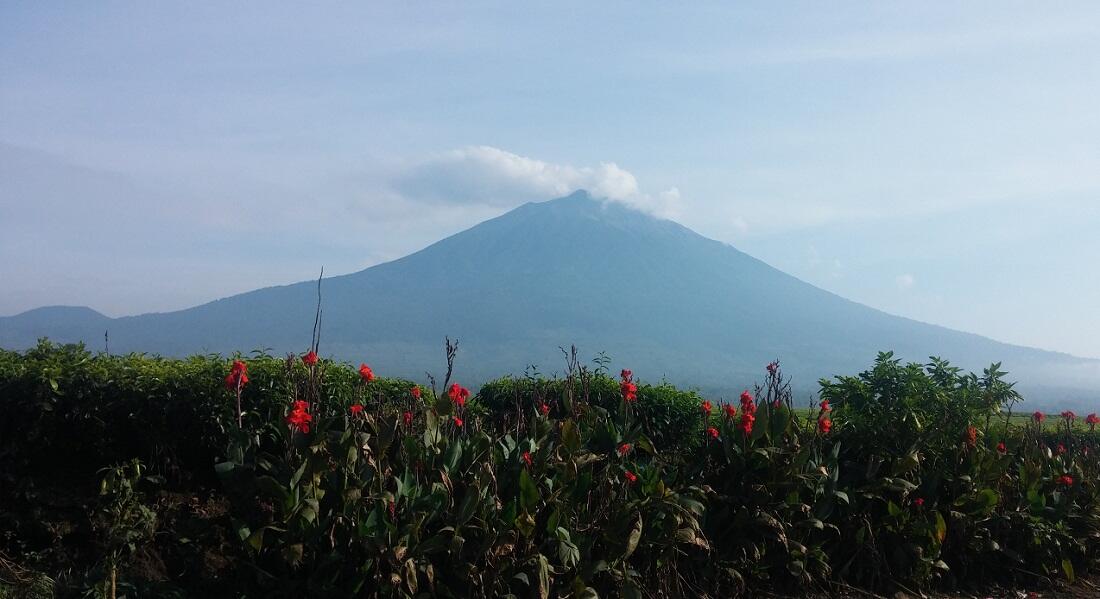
pixel 648 293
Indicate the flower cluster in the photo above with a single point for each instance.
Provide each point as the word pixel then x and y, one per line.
pixel 1092 420
pixel 366 373
pixel 310 359
pixel 237 377
pixel 299 417
pixel 1038 416
pixel 748 413
pixel 627 387
pixel 1069 417
pixel 971 437
pixel 458 395
pixel 356 409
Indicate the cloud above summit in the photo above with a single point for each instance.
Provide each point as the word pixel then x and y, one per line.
pixel 499 178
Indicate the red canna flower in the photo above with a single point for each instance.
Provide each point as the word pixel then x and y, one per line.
pixel 366 373
pixel 527 458
pixel 748 405
pixel 1066 480
pixel 458 394
pixel 624 449
pixel 356 409
pixel 1069 416
pixel 1092 420
pixel 1038 416
pixel 626 375
pixel 706 407
pixel 415 392
pixel 730 410
pixel 1061 449
pixel 407 417
pixel 298 419
pixel 919 502
pixel 712 432
pixel 458 421
pixel 630 477
pixel 238 376
pixel 971 436
pixel 629 391
pixel 544 409
pixel 825 407
pixel 1001 449
pixel 747 420
pixel 824 425
pixel 310 359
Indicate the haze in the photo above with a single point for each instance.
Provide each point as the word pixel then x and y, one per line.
pixel 932 161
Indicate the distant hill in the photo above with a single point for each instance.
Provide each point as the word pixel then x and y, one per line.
pixel 656 296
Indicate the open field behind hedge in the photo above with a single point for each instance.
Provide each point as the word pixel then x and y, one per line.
pixel 137 475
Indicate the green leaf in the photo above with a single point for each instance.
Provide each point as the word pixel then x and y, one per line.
pixel 941 528
pixel 528 492
pixel 1067 567
pixel 570 436
pixel 544 577
pixel 633 538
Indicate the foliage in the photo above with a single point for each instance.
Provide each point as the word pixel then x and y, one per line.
pixel 907 476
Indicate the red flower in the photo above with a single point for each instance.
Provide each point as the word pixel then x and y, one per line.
pixel 971 436
pixel 629 391
pixel 545 409
pixel 1038 416
pixel 527 458
pixel 748 405
pixel 706 407
pixel 747 420
pixel 415 392
pixel 712 433
pixel 458 421
pixel 825 407
pixel 392 508
pixel 919 502
pixel 626 375
pixel 366 373
pixel 772 367
pixel 408 418
pixel 824 425
pixel 730 410
pixel 1092 420
pixel 1061 450
pixel 630 477
pixel 624 449
pixel 1069 416
pixel 356 409
pixel 1001 449
pixel 310 359
pixel 458 394
pixel 299 418
pixel 1065 479
pixel 238 376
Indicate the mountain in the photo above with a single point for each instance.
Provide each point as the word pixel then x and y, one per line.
pixel 655 296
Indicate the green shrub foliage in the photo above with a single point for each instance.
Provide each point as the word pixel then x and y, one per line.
pixel 907 476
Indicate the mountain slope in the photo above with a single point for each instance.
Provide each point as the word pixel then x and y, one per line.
pixel 654 295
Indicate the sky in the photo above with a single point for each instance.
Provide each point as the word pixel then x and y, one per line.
pixel 939 161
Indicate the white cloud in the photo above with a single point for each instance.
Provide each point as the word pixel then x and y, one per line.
pixel 905 281
pixel 494 177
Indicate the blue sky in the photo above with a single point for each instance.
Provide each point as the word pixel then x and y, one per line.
pixel 935 161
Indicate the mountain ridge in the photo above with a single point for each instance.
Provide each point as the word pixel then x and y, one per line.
pixel 655 295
